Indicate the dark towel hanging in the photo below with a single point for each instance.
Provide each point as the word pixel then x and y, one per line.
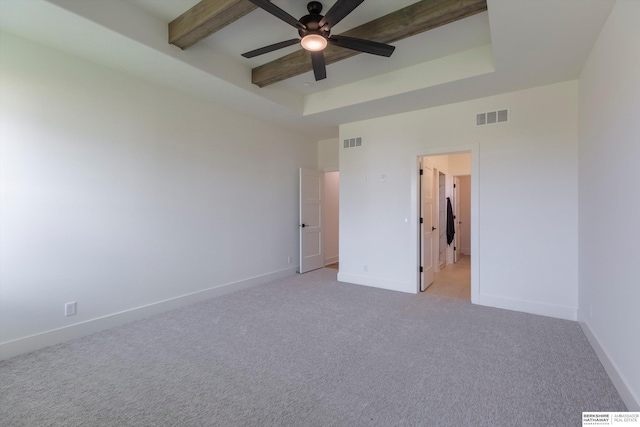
pixel 450 223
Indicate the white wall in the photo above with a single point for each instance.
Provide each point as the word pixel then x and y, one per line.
pixel 609 204
pixel 328 155
pixel 524 184
pixel 460 164
pixel 119 194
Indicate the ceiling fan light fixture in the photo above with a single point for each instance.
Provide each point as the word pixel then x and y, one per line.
pixel 313 42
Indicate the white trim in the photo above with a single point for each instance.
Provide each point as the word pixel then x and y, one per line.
pixel 532 307
pixel 630 400
pixel 376 282
pixel 474 149
pixel 331 260
pixel 60 335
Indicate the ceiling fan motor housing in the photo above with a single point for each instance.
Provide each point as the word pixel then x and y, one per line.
pixel 314 7
pixel 311 21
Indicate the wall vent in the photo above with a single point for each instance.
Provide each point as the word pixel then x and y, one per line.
pixel 492 117
pixel 353 142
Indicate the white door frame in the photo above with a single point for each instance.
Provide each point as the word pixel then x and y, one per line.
pixel 475 210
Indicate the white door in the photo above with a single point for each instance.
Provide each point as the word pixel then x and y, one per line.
pixel 457 222
pixel 311 250
pixel 429 235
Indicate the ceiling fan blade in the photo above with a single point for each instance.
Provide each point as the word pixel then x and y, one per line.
pixel 338 11
pixel 367 46
pixel 278 13
pixel 270 48
pixel 319 68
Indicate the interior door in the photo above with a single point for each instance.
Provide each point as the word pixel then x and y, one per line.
pixel 457 222
pixel 311 244
pixel 428 232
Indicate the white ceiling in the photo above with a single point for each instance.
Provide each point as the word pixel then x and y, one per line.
pixel 517 44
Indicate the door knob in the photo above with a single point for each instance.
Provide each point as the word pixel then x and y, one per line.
pixel 433 229
pixel 303 225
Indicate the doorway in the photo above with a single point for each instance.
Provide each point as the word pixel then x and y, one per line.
pixel 331 218
pixel 448 268
pixel 319 219
pixel 453 281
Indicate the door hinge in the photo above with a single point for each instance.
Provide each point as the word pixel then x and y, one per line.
pixel 454 217
pixel 421 220
pixel 455 249
pixel 421 171
pixel 454 186
pixel 421 270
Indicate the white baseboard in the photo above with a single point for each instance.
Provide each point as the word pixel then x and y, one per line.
pixel 630 400
pixel 465 251
pixel 56 336
pixel 558 311
pixel 331 260
pixel 376 282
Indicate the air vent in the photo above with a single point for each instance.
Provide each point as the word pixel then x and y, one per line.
pixel 492 117
pixel 353 142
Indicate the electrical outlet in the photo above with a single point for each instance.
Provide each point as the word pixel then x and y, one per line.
pixel 366 268
pixel 289 260
pixel 70 309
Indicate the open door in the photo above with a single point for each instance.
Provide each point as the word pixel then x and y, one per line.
pixel 311 246
pixel 427 218
pixel 456 217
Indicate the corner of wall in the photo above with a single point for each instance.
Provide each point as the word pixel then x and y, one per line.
pixel 626 394
pixel 531 307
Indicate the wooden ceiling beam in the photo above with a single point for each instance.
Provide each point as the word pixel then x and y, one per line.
pixel 204 19
pixel 406 22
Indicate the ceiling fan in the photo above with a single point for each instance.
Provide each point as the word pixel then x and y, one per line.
pixel 315 33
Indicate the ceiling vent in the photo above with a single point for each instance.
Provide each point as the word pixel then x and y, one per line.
pixel 492 117
pixel 353 142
